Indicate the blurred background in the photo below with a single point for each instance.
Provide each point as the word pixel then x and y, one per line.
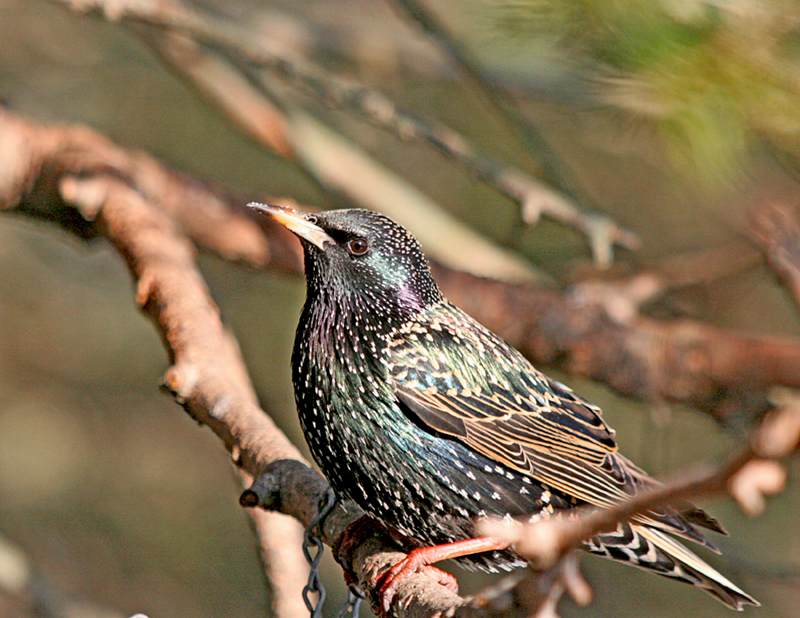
pixel 672 118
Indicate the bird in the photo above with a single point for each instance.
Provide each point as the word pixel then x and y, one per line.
pixel 430 422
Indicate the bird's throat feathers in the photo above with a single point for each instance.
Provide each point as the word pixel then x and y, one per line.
pixel 381 291
pixel 335 321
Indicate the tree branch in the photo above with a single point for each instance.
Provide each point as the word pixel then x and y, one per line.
pixel 777 233
pixel 207 376
pixel 274 130
pixel 51 171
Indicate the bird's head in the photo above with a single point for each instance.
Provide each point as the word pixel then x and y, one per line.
pixel 360 254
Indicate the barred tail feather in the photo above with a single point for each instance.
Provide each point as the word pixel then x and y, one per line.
pixel 655 551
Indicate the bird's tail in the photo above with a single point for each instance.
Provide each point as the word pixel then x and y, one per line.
pixel 655 551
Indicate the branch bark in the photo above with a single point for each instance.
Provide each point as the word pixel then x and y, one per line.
pixel 77 178
pixel 777 233
pixel 207 376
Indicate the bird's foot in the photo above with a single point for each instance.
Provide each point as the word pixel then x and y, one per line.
pixel 417 561
pixel 420 560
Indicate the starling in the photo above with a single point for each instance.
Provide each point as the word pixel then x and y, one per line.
pixel 429 422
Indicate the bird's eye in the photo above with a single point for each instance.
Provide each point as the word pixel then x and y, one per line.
pixel 357 246
pixel 312 219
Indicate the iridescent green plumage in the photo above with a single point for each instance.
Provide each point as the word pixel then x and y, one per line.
pixel 429 421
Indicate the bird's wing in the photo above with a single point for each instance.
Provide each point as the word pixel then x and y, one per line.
pixel 457 378
pixel 462 381
pixel 567 447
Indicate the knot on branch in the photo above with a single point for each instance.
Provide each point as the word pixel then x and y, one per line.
pixel 293 488
pixel 180 382
pixel 266 490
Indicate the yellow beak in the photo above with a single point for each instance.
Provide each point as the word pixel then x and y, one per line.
pixel 295 221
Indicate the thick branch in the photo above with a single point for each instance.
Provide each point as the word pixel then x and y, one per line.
pixel 207 376
pixel 364 548
pixel 51 171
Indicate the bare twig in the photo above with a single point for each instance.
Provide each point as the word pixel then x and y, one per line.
pixel 270 127
pixel 534 196
pixel 546 542
pixel 337 163
pixel 777 232
pixel 602 232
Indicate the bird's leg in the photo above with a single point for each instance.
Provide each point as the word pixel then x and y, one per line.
pixel 420 559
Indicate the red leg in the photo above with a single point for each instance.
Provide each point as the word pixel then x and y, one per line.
pixel 420 560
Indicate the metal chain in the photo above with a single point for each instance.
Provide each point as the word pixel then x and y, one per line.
pixel 311 540
pixel 353 604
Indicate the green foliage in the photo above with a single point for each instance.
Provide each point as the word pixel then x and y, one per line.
pixel 713 78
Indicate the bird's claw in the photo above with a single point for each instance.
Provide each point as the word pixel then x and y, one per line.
pixel 414 562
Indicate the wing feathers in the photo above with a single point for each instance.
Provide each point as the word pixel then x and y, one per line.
pixel 705 575
pixel 506 410
pixel 430 416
